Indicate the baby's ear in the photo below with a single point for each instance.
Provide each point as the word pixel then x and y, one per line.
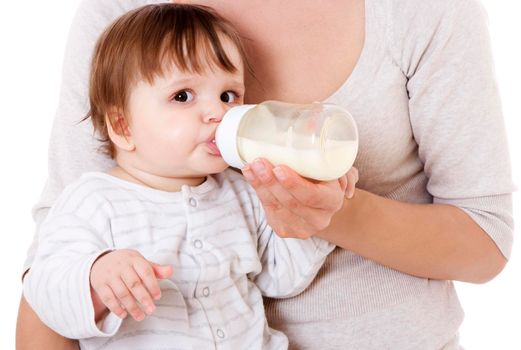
pixel 119 131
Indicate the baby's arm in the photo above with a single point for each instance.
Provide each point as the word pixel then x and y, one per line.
pixel 77 274
pixel 57 285
pixel 289 265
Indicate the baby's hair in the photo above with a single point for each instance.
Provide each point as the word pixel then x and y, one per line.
pixel 142 43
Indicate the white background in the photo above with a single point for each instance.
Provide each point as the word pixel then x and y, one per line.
pixel 32 39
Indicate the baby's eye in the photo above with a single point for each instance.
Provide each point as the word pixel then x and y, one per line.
pixel 183 96
pixel 228 97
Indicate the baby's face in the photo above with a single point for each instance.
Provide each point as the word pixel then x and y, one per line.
pixel 174 119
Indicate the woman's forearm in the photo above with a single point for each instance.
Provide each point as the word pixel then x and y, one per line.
pixel 425 240
pixel 32 334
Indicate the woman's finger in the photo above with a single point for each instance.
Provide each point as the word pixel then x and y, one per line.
pixel 286 185
pixel 343 182
pixel 295 206
pixel 268 200
pixel 285 214
pixel 325 195
pixel 281 220
pixel 274 197
pixel 352 179
pixel 273 186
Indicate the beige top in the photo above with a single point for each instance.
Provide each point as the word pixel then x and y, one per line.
pixel 431 130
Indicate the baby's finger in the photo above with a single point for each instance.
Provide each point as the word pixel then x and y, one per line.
pixel 109 300
pixel 146 274
pixel 138 290
pixel 162 271
pixel 125 298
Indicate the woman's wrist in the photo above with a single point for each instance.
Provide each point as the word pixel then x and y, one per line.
pixel 345 220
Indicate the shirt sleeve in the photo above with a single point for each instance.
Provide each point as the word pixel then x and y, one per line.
pixel 289 265
pixel 58 284
pixel 73 147
pixel 455 110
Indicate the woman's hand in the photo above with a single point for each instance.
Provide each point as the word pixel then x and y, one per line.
pixel 295 206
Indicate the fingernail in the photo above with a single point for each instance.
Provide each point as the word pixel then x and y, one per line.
pixel 280 174
pixel 150 309
pixel 259 168
pixel 246 171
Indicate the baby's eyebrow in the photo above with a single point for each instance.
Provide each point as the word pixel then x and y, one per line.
pixel 178 82
pixel 237 83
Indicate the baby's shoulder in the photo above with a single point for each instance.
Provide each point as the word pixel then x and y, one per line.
pixel 232 182
pixel 92 188
pixel 231 177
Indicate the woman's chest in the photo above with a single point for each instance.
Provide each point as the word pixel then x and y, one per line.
pixel 315 51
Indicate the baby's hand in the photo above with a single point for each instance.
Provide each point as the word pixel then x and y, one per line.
pixel 125 282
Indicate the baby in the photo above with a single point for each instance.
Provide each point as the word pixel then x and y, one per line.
pixel 169 236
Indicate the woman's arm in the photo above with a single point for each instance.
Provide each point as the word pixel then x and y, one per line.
pixel 32 334
pixel 435 241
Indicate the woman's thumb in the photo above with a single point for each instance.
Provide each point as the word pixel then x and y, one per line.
pixel 162 271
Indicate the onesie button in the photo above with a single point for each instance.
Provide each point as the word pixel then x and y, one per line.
pixel 220 333
pixel 198 244
pixel 192 202
pixel 206 291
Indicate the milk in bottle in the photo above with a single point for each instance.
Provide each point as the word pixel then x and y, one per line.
pixel 318 140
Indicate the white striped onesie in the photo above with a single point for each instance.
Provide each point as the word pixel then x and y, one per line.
pixel 225 258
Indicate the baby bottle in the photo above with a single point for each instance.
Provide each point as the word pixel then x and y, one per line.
pixel 317 140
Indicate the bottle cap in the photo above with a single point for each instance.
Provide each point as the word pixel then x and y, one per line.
pixel 226 135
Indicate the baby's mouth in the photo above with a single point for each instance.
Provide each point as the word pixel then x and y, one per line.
pixel 213 147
